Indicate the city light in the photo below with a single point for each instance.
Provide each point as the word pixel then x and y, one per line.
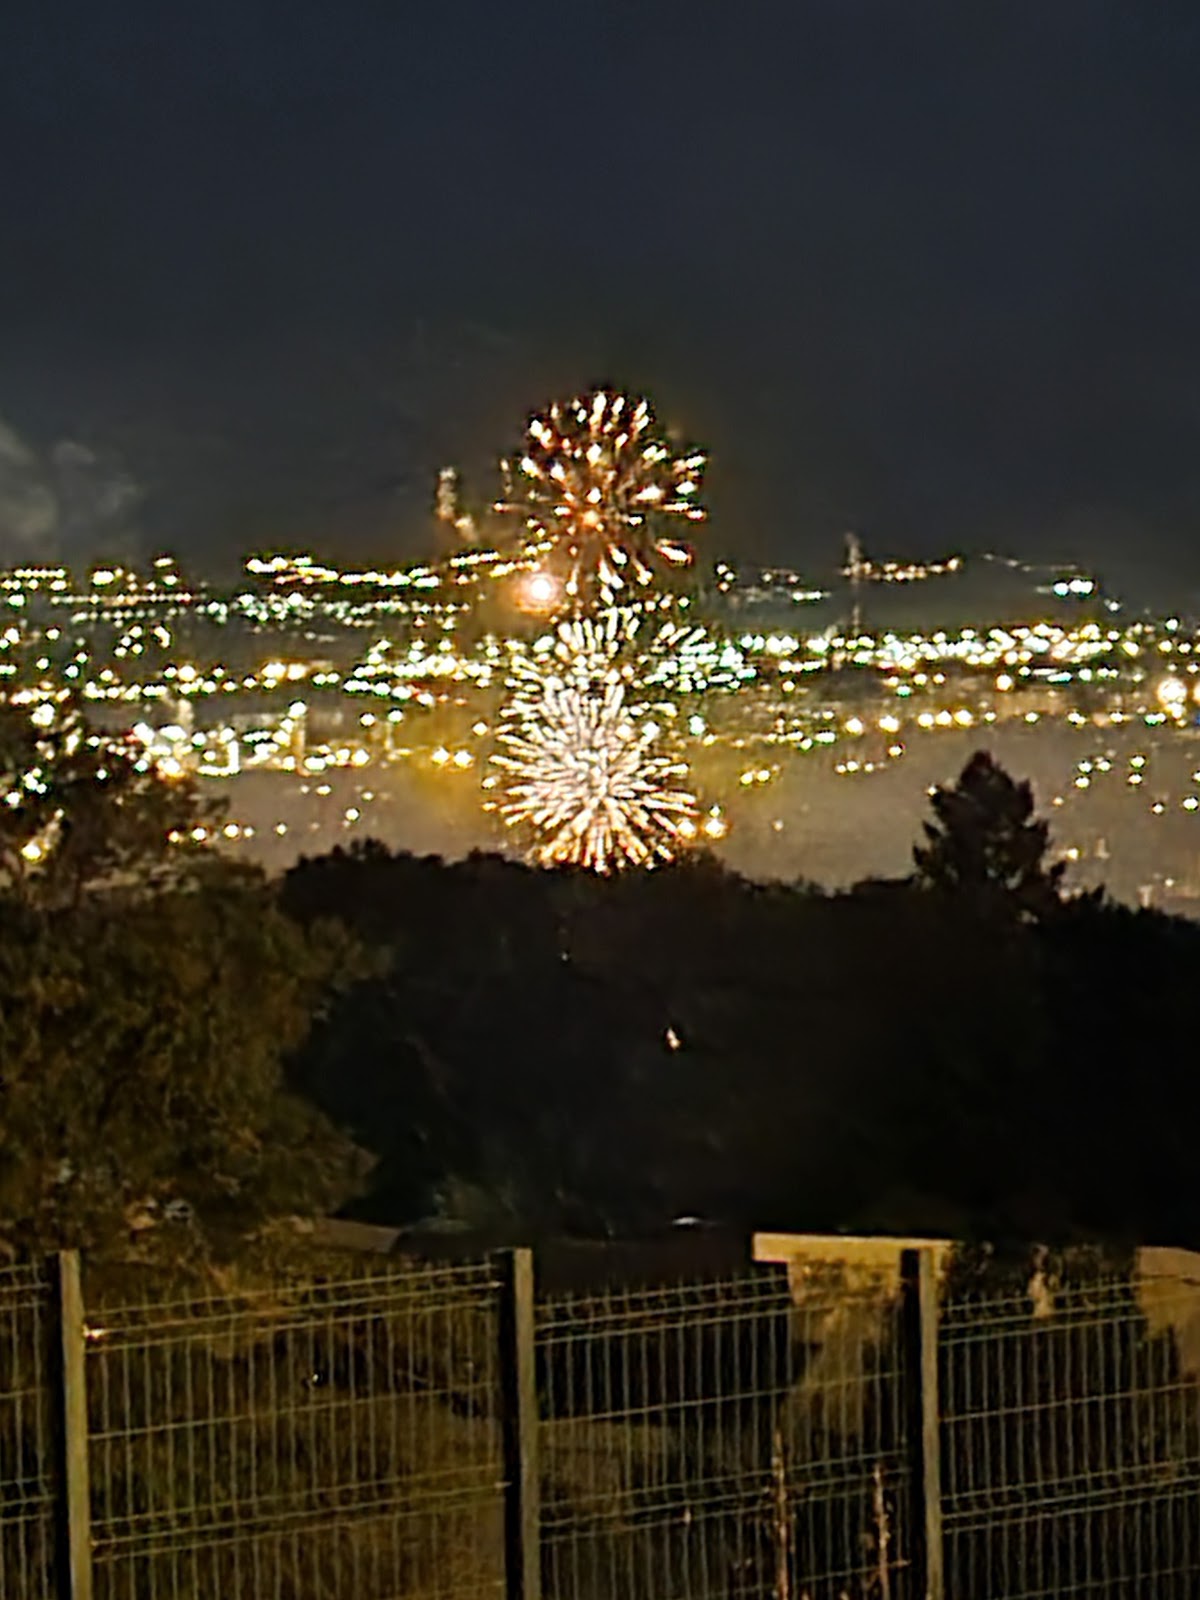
pixel 305 669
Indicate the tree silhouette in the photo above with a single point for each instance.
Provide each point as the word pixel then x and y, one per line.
pixel 570 1053
pixel 986 844
pixel 150 993
pixel 143 1044
pixel 84 811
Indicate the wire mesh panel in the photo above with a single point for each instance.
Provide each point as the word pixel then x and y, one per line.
pixel 331 1439
pixel 729 1437
pixel 1071 1443
pixel 28 1455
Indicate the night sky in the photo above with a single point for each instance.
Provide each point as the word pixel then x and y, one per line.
pixel 928 271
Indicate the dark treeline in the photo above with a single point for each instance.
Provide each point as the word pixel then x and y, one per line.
pixel 196 1061
pixel 971 1051
pixel 191 1054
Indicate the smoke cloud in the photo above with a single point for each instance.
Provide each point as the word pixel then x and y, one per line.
pixel 69 503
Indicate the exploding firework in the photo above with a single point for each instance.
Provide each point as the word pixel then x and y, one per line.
pixel 659 663
pixel 587 653
pixel 602 495
pixel 583 778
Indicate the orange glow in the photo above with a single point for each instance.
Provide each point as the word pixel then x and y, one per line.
pixel 538 593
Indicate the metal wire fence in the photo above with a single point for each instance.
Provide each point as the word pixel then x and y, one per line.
pixel 29 1475
pixel 723 1438
pixel 766 1433
pixel 1071 1443
pixel 325 1439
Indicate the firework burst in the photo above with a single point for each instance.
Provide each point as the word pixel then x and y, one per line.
pixel 588 653
pixel 602 495
pixel 584 778
pixel 659 663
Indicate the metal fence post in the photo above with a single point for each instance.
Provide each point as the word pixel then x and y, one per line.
pixel 76 1533
pixel 918 1270
pixel 518 1376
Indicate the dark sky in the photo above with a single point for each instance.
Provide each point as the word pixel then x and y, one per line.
pixel 930 271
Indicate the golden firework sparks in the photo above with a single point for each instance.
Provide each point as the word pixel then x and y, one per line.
pixel 658 661
pixel 584 778
pixel 603 495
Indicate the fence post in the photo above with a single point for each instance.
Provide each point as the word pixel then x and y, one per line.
pixel 76 1534
pixel 518 1377
pixel 918 1271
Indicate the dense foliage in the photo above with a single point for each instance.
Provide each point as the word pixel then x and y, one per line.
pixel 149 995
pixel 970 1051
